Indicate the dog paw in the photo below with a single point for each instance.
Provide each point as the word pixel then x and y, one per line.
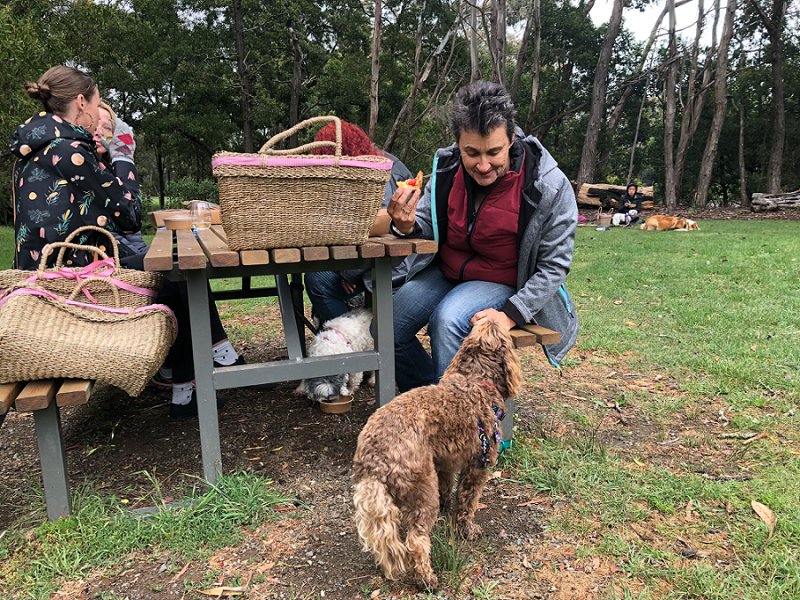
pixel 427 580
pixel 469 531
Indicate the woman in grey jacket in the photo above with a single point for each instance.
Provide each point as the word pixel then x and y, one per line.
pixel 504 216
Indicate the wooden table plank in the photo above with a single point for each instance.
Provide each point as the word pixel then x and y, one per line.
pixel 543 335
pixel 394 246
pixel 316 253
pixel 343 252
pixel 190 254
pixel 285 255
pixel 425 246
pixel 8 393
pixel 371 250
pixel 159 255
pixel 74 392
pixel 36 395
pixel 254 257
pixel 217 251
pixel 217 229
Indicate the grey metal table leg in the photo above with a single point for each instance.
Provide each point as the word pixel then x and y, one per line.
pixel 384 328
pixel 508 421
pixel 53 460
pixel 293 344
pixel 199 318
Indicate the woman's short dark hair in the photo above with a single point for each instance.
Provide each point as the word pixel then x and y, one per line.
pixel 59 86
pixel 481 106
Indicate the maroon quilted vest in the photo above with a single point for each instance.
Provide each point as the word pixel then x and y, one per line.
pixel 489 252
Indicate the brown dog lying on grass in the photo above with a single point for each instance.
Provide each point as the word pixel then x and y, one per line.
pixel 411 450
pixel 667 222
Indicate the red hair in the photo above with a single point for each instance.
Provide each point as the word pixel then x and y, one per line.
pixel 354 141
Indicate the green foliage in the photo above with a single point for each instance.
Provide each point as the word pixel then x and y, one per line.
pixel 185 189
pixel 102 534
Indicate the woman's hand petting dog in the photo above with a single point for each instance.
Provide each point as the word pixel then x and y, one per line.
pixel 499 317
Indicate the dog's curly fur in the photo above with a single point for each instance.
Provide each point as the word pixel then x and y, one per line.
pixel 348 333
pixel 410 451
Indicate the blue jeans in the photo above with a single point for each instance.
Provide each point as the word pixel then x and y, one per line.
pixel 324 289
pixel 447 308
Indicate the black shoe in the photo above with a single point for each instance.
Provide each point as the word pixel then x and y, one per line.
pixel 238 361
pixel 184 412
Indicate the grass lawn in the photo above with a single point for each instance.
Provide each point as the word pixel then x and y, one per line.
pixel 700 334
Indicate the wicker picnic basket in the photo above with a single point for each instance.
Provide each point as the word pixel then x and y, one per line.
pixel 136 288
pixel 46 336
pixel 283 198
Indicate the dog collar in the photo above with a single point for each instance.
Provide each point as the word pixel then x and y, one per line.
pixel 483 459
pixel 340 334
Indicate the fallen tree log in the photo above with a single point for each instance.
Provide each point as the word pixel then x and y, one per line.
pixel 770 202
pixel 592 194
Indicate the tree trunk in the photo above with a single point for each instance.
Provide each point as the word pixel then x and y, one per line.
pixel 636 136
pixel 522 54
pixel 415 87
pixel 406 112
pixel 743 197
pixel 589 154
pixel 775 26
pixel 244 76
pixel 474 67
pixel 297 82
pixel 373 84
pixel 536 68
pixel 694 100
pixel 497 45
pixel 720 102
pixel 670 193
pixel 160 170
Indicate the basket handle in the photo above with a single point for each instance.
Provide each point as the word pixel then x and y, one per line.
pixel 337 145
pixel 79 288
pixel 62 248
pixel 73 235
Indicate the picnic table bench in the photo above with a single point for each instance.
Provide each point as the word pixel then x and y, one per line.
pixel 181 255
pixel 44 399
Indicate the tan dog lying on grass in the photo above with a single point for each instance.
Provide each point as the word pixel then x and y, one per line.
pixel 667 222
pixel 411 450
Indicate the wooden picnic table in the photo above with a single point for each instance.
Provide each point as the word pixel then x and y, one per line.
pixel 182 255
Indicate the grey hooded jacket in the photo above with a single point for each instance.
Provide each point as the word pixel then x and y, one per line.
pixel 545 242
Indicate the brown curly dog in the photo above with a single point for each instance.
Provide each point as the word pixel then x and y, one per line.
pixel 410 451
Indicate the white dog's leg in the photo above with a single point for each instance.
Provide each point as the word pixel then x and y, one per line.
pixel 300 390
pixel 352 383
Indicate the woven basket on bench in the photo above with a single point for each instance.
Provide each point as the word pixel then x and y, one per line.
pixel 283 199
pixel 136 288
pixel 45 336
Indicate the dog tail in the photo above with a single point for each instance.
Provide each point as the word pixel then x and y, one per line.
pixel 378 521
pixel 643 226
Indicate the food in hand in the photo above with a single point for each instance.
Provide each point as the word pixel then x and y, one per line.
pixel 416 182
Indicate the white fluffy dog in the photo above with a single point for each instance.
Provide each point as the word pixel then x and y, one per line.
pixel 348 333
pixel 624 219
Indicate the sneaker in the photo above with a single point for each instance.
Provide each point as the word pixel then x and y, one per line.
pixel 184 412
pixel 160 382
pixel 505 445
pixel 238 361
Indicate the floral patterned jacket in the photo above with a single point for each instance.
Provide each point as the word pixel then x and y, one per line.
pixel 59 185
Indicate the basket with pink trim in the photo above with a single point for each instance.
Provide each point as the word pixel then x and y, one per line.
pixel 135 288
pixel 46 336
pixel 285 199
